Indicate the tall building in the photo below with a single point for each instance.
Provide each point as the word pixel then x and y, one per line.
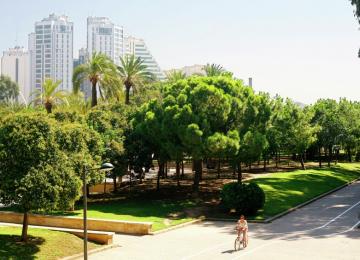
pixel 82 58
pixel 85 86
pixel 51 51
pixel 105 37
pixel 15 63
pixel 138 48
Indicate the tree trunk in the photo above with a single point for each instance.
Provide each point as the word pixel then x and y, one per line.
pixel 48 107
pixel 93 94
pixel 105 185
pixel 239 172
pixel 264 164
pixel 302 161
pixel 160 173
pixel 349 154
pixel 127 94
pixel 329 156
pixel 182 169
pixel 24 233
pixel 218 168
pixel 320 162
pixel 276 160
pixel 166 170
pixel 197 175
pixel 178 173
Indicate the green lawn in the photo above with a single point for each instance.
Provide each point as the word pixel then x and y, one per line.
pixel 283 191
pixel 42 244
pixel 162 213
pixel 288 189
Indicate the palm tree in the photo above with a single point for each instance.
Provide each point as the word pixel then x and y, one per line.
pixel 98 69
pixel 175 75
pixel 77 102
pixel 133 72
pixel 213 69
pixel 49 95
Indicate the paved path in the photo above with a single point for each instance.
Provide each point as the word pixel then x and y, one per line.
pixel 326 229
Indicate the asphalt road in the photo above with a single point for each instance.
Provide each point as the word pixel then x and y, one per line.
pixel 326 229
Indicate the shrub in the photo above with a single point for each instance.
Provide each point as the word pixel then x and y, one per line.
pixel 245 198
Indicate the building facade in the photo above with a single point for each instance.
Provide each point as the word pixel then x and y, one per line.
pixel 105 37
pixel 51 52
pixel 82 58
pixel 15 63
pixel 138 48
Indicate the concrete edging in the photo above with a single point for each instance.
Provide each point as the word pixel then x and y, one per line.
pixel 117 226
pixel 177 226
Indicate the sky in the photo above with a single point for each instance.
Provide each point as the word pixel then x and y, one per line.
pixel 304 50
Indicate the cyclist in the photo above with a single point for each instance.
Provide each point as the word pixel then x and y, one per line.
pixel 242 226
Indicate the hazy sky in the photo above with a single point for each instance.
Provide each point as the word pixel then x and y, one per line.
pixel 299 49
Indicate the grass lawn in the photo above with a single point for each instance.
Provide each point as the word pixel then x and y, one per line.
pixel 288 189
pixel 283 190
pixel 42 244
pixel 162 213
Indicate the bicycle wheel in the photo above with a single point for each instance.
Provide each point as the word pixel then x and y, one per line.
pixel 237 244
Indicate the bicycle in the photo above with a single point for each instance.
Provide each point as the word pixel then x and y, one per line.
pixel 240 241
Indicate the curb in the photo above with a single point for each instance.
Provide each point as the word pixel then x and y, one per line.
pixel 235 220
pixel 178 226
pixel 97 250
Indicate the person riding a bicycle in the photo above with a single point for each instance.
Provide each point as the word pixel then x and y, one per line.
pixel 242 227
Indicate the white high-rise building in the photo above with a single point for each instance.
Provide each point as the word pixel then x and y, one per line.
pixel 105 37
pixel 15 63
pixel 51 51
pixel 138 48
pixel 83 57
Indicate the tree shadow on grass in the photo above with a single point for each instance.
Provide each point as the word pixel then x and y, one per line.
pixel 12 248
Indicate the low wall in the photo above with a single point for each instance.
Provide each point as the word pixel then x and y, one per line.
pixel 99 188
pixel 104 238
pixel 117 226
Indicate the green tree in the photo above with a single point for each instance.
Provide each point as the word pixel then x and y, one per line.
pixel 110 121
pixel 300 133
pixel 100 71
pixel 202 110
pixel 213 69
pixel 326 117
pixel 349 117
pixel 35 173
pixel 133 72
pixel 50 96
pixel 223 146
pixel 175 75
pixel 9 90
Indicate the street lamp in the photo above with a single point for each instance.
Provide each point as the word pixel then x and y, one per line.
pixel 103 167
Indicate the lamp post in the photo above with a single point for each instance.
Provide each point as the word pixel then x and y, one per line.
pixel 103 167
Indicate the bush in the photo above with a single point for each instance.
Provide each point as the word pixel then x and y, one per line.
pixel 245 198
